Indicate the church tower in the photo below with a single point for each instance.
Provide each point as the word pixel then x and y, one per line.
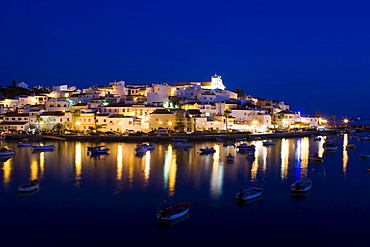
pixel 216 82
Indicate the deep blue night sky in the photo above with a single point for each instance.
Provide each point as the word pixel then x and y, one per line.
pixel 314 55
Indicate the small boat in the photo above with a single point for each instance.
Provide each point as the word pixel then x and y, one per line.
pixel 250 193
pixel 146 145
pixel 230 158
pixel 219 139
pixel 351 146
pixel 268 143
pixel 179 140
pixel 174 212
pixel 41 148
pixel 228 144
pixel 24 144
pixel 316 158
pixel 2 137
pixel 6 152
pixel 301 185
pixel 29 186
pixel 99 150
pixel 365 155
pixel 93 148
pixel 317 139
pixel 330 145
pixel 182 145
pixel 141 150
pixel 245 146
pixel 207 150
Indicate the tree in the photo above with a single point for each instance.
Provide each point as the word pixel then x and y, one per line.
pixel 227 113
pixel 239 91
pixel 179 125
pixel 59 127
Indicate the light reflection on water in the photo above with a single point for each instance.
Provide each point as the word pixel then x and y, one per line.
pixel 128 188
pixel 129 170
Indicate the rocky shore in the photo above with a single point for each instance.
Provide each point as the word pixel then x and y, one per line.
pixel 167 138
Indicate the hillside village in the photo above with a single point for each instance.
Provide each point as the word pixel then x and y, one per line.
pixel 121 109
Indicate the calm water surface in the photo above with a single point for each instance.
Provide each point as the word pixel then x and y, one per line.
pixel 111 200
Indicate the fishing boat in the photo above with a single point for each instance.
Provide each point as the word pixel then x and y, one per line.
pixel 351 146
pixel 99 150
pixel 6 152
pixel 365 155
pixel 182 145
pixel 24 144
pixel 268 143
pixel 207 150
pixel 29 186
pixel 230 158
pixel 245 146
pixel 301 185
pixel 330 145
pixel 228 144
pixel 249 193
pixel 42 148
pixel 315 157
pixel 179 140
pixel 174 212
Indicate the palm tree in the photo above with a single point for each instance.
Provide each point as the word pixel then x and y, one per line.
pixel 59 127
pixel 227 113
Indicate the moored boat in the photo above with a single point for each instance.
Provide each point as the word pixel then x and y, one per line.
pixel 174 212
pixel 45 147
pixel 99 150
pixel 182 145
pixel 365 155
pixel 351 146
pixel 268 143
pixel 24 144
pixel 6 152
pixel 207 150
pixel 29 186
pixel 301 185
pixel 230 158
pixel 249 193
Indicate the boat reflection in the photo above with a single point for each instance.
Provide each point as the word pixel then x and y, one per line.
pixel 299 196
pixel 165 224
pixel 242 203
pixel 6 158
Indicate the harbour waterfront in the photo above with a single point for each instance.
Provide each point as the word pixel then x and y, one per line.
pixel 112 199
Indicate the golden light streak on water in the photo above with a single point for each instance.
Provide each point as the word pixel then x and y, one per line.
pixel 119 162
pixel 34 170
pixel 42 164
pixel 320 149
pixel 345 155
pixel 169 171
pixel 217 174
pixel 284 153
pixel 260 151
pixel 7 169
pixel 78 163
pixel 147 169
pixel 302 155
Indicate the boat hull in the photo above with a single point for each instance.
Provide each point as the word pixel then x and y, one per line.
pixel 173 212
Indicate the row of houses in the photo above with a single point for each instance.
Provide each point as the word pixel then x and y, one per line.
pixel 189 106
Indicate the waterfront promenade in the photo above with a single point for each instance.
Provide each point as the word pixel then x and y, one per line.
pixel 167 138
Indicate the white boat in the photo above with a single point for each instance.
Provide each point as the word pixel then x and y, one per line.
pixel 268 143
pixel 6 152
pixel 174 212
pixel 29 186
pixel 45 147
pixel 250 193
pixel 207 150
pixel 182 145
pixel 99 150
pixel 301 185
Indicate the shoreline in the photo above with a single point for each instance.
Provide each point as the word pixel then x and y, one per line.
pixel 168 138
